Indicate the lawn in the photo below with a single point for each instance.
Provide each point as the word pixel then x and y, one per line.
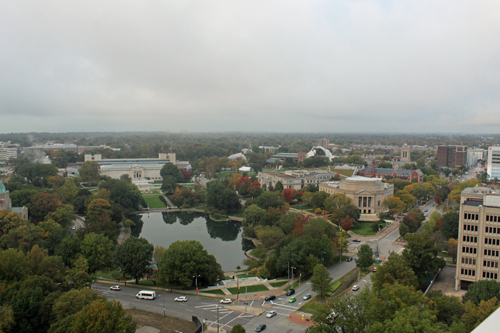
pixel 313 306
pixel 110 274
pixel 154 202
pixel 249 289
pixel 245 275
pixel 278 284
pixel 334 286
pixel 365 229
pixel 213 291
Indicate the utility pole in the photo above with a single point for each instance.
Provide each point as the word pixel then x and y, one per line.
pixel 217 318
pixel 288 272
pixel 292 274
pixel 237 288
pixel 196 283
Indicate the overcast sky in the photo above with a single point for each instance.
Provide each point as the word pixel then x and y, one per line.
pixel 330 66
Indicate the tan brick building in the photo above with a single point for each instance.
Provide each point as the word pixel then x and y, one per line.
pixel 478 251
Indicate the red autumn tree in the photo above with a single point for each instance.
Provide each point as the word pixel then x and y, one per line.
pixel 253 186
pixel 186 174
pixel 438 224
pixel 437 200
pixel 288 194
pixel 346 223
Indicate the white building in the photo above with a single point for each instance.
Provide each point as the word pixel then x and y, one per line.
pixel 474 155
pixel 295 179
pixel 7 153
pixel 493 168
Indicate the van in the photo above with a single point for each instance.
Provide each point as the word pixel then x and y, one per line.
pixel 146 294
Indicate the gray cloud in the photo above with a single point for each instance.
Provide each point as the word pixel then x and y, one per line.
pixel 259 65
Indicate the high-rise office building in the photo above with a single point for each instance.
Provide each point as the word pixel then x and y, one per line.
pixel 493 167
pixel 452 156
pixel 478 251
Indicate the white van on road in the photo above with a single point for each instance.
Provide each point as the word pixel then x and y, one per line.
pixel 146 294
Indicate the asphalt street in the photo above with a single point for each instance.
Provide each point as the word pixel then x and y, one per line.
pixel 202 307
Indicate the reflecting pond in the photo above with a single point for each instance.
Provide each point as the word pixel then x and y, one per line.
pixel 222 239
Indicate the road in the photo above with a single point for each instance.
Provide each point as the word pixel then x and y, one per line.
pixel 202 307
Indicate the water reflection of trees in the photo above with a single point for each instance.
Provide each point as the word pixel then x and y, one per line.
pixel 169 218
pixel 187 218
pixel 136 229
pixel 246 244
pixel 227 231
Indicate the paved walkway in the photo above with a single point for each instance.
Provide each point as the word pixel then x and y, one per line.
pixel 124 234
pixel 445 282
pixel 393 225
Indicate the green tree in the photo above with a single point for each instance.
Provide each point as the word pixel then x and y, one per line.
pixel 134 257
pixel 395 269
pixel 170 169
pixel 365 257
pixel 482 291
pixel 79 273
pixel 403 230
pixel 421 254
pixel 238 329
pixel 394 204
pixel 98 250
pixel 72 302
pixel 103 316
pixel 69 250
pixel 185 259
pixel 41 205
pixel 477 313
pixel 448 308
pixel 320 280
pixel 99 218
pixel 279 186
pixel 89 172
pixel 220 197
pixel 13 265
pixel 411 319
pixel 449 225
pixel 270 199
pixel 6 318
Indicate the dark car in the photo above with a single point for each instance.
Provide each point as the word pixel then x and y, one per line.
pixel 349 259
pixel 356 241
pixel 290 292
pixel 270 298
pixel 260 328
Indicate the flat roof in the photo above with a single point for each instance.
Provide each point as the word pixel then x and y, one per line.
pixel 473 203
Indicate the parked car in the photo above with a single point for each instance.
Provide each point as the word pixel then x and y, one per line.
pixel 260 328
pixel 226 301
pixel 117 288
pixel 73 228
pixel 356 241
pixel 181 299
pixel 292 299
pixel 349 259
pixel 290 292
pixel 270 298
pixel 271 314
pixel 374 269
pixel 355 287
pixel 306 297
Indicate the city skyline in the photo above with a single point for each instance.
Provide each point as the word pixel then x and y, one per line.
pixel 285 67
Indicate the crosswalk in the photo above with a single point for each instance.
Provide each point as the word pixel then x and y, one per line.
pixel 213 308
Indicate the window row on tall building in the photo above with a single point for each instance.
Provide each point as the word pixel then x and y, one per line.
pixel 470 227
pixel 492 230
pixel 490 253
pixel 487 263
pixel 468 261
pixel 492 218
pixel 492 241
pixel 466 249
pixel 489 275
pixel 470 239
pixel 470 272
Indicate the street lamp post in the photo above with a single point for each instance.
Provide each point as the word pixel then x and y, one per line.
pixel 292 274
pixel 196 283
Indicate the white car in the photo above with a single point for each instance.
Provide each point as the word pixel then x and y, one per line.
pixel 271 314
pixel 181 299
pixel 226 301
pixel 117 288
pixel 355 287
pixel 73 228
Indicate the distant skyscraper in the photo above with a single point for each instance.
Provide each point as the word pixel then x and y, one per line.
pixel 452 156
pixel 324 143
pixel 493 168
